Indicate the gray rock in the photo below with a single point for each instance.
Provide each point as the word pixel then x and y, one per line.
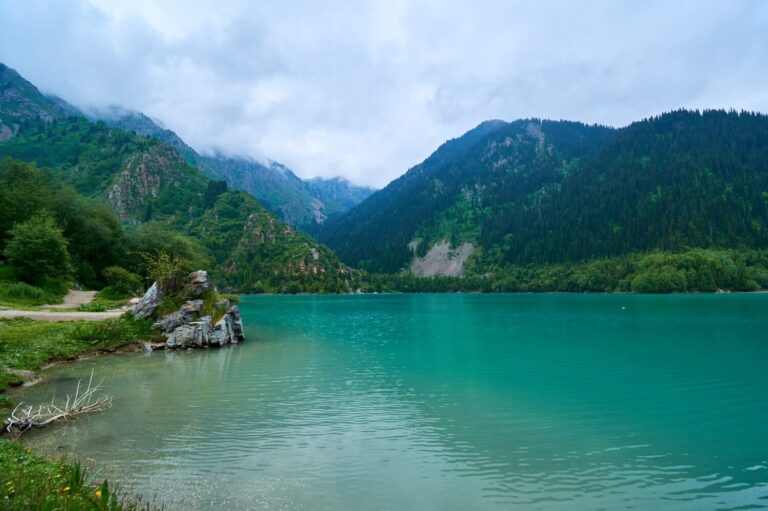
pixel 222 331
pixel 196 334
pixel 229 329
pixel 188 312
pixel 192 307
pixel 223 304
pixel 237 324
pixel 199 283
pixel 148 303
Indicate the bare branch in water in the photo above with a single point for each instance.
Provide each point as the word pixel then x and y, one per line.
pixel 24 418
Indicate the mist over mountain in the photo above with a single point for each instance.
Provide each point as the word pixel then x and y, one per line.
pixel 148 181
pixel 303 204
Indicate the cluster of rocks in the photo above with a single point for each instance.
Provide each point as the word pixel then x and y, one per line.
pixel 189 327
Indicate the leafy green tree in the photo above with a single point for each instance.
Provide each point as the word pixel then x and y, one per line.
pixel 170 272
pixel 37 248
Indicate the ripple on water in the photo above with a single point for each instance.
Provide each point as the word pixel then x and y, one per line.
pixel 444 402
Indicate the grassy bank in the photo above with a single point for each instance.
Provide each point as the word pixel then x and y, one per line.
pixel 28 481
pixel 27 344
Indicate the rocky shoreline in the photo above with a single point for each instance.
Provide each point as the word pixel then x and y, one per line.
pixel 195 324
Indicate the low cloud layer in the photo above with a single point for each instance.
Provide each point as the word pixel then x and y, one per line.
pixel 367 89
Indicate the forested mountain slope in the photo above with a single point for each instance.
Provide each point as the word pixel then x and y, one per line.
pixel 459 188
pixel 148 182
pixel 537 192
pixel 303 204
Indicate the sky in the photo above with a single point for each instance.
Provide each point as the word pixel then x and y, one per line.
pixel 365 89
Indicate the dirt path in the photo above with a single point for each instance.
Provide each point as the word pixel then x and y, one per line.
pixel 59 316
pixel 74 299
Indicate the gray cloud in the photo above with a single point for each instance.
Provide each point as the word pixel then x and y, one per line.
pixel 367 89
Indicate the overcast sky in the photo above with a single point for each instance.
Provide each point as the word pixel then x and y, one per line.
pixel 367 89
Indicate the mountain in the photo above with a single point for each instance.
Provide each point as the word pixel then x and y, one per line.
pixel 148 180
pixel 338 194
pixel 21 103
pixel 545 192
pixel 303 204
pixel 443 202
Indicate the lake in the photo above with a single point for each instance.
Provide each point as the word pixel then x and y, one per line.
pixel 450 402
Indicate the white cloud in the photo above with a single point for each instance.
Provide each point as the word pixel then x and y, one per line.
pixel 367 89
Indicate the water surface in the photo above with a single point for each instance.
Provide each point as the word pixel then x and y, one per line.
pixel 449 402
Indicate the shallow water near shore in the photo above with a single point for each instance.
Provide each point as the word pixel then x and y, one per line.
pixel 442 402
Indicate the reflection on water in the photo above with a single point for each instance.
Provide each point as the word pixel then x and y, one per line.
pixel 443 402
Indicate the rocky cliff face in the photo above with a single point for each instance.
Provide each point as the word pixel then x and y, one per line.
pixel 21 102
pixel 304 204
pixel 142 177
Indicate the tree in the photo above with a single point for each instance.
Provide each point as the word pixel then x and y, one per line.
pixel 37 248
pixel 215 188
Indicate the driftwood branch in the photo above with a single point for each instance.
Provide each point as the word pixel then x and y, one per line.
pixel 26 417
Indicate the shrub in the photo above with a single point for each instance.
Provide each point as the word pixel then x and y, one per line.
pixel 37 248
pixel 121 283
pixel 170 272
pixel 23 293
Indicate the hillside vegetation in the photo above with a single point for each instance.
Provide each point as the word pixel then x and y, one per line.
pixel 537 194
pixel 163 203
pixel 304 204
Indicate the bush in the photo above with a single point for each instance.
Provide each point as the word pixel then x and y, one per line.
pixel 170 272
pixel 37 248
pixel 23 293
pixel 121 283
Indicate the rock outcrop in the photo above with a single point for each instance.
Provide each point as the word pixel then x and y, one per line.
pixel 441 259
pixel 199 284
pixel 148 304
pixel 192 326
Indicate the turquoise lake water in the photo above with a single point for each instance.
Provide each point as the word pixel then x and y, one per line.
pixel 450 402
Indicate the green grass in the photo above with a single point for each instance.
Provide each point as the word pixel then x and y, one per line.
pixel 27 344
pixel 30 482
pixel 20 294
pixel 15 294
pixel 105 298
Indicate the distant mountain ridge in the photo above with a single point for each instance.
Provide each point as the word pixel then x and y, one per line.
pixel 541 192
pixel 303 204
pixel 147 181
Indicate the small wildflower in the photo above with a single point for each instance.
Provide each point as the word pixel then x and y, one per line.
pixel 65 489
pixel 98 493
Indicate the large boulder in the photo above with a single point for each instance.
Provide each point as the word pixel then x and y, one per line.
pixel 237 324
pixel 188 312
pixel 187 327
pixel 196 334
pixel 198 285
pixel 229 329
pixel 148 303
